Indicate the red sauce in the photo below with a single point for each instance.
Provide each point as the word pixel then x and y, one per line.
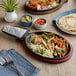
pixel 40 22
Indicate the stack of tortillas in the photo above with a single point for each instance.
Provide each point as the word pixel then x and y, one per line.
pixel 68 23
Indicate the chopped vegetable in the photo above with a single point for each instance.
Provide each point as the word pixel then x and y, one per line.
pixel 26 19
pixel 32 6
pixel 42 4
pixel 51 38
pixel 40 22
pixel 41 51
pixel 45 37
pixel 49 34
pixel 58 0
pixel 54 4
pixel 48 45
pixel 60 50
pixel 38 7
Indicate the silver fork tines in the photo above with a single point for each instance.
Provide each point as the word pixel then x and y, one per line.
pixel 2 61
pixel 8 59
pixel 9 62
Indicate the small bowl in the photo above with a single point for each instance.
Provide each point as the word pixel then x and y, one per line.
pixel 26 23
pixel 39 27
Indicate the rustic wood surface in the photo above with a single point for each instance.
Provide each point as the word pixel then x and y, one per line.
pixel 64 69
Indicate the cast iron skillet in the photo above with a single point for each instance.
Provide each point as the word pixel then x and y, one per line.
pixel 26 39
pixel 47 10
pixel 40 10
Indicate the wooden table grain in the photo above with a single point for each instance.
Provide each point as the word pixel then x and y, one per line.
pixel 64 69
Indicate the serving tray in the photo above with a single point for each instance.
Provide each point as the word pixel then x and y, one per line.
pixel 40 12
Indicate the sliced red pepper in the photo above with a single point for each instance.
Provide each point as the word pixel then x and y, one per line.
pixel 61 46
pixel 58 0
pixel 66 50
pixel 59 43
pixel 32 6
pixel 29 6
pixel 66 41
pixel 51 38
pixel 62 54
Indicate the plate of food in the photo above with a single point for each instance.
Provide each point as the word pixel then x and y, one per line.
pixel 66 22
pixel 43 45
pixel 48 45
pixel 43 5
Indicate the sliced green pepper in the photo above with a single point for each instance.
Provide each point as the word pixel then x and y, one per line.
pixel 45 37
pixel 40 52
pixel 60 50
pixel 49 34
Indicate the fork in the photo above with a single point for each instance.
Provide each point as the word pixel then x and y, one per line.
pixel 6 60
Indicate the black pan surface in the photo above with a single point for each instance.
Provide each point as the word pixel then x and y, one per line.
pixel 27 41
pixel 41 10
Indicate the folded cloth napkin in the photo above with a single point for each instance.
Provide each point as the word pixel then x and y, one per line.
pixel 24 65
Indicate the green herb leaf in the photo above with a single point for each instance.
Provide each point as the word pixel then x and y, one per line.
pixel 9 5
pixel 45 37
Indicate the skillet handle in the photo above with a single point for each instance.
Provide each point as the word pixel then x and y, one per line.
pixel 54 22
pixel 65 1
pixel 62 2
pixel 16 32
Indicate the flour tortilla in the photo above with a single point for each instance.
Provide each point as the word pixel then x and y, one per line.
pixel 68 23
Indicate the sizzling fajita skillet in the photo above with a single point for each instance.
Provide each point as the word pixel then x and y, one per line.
pixel 23 36
pixel 45 11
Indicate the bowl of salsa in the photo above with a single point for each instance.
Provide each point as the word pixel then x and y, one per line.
pixel 39 23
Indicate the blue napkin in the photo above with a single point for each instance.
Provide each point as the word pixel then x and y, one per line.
pixel 64 13
pixel 24 65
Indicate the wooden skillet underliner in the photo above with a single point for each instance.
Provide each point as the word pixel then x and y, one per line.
pixel 23 36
